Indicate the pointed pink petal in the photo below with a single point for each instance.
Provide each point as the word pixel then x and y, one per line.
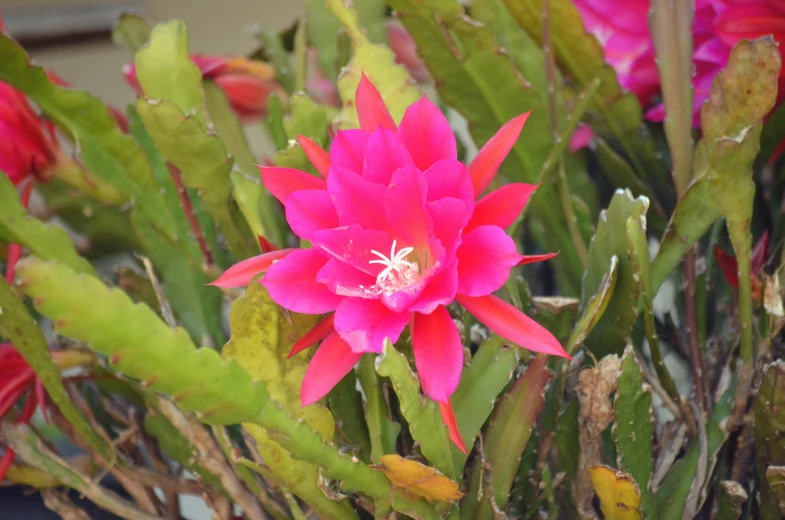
pixel 450 178
pixel 533 259
pixel 371 109
pixel 364 324
pixel 485 258
pixel 511 324
pixel 316 154
pixel 240 274
pixel 308 211
pixel 383 155
pixel 357 200
pixel 485 165
pixel 353 245
pixel 320 331
pixel 346 280
pixel 332 361
pixel 501 207
pixel 265 245
pixel 404 207
pixel 425 132
pixel 438 353
pixel 5 462
pixel 283 181
pixel 292 283
pixel 448 418
pixel 348 150
pixel 440 290
pixel 449 217
pixel 760 253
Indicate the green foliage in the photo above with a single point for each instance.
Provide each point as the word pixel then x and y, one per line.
pixel 769 440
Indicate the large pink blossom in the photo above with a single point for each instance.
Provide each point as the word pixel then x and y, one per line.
pixel 397 235
pixel 622 28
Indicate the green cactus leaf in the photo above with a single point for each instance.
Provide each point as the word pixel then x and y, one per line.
pixel 177 447
pixel 377 62
pixel 580 56
pixel 566 442
pixel 262 336
pixel 505 440
pixel 145 348
pixel 255 202
pixel 775 476
pixel 633 428
pixel 422 414
pixel 346 404
pixel 557 314
pixel 131 31
pixel 492 368
pixel 770 435
pixel 104 149
pixel 165 70
pixel 473 76
pixel 179 260
pixel 18 327
pixel 324 28
pixel 674 491
pixel 45 240
pixel 608 335
pixel 383 431
pixel 204 165
pixel 595 307
pixel 307 119
pixel 732 497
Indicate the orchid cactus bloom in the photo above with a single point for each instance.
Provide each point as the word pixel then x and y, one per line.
pixel 397 235
pixel 247 83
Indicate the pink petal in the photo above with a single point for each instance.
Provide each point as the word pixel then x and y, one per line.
pixel 384 154
pixel 501 207
pixel 440 290
pixel 450 178
pixel 320 331
pixel 283 181
pixel 332 361
pixel 404 206
pixel 449 217
pixel 448 417
pixel 427 135
pixel 240 274
pixel 353 245
pixel 533 259
pixel 438 353
pixel 511 324
pixel 364 324
pixel 265 245
pixel 581 138
pixel 348 150
pixel 487 161
pixel 433 260
pixel 346 280
pixel 357 200
pixel 316 154
pixel 485 258
pixel 292 283
pixel 308 211
pixel 371 109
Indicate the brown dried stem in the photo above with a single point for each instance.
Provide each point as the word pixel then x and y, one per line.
pixel 185 202
pixel 59 503
pixel 696 354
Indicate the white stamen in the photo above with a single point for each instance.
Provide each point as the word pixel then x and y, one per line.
pixel 396 262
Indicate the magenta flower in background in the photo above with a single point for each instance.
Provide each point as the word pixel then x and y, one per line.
pixel 397 235
pixel 247 84
pixel 622 28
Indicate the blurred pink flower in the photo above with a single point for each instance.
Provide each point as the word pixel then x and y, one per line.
pixel 247 83
pixel 622 29
pixel 397 236
pixel 405 50
pixel 319 86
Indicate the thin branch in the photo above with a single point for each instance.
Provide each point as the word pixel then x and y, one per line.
pixel 30 449
pixel 155 457
pixel 212 458
pixel 188 209
pixel 166 308
pixel 59 503
pixel 696 353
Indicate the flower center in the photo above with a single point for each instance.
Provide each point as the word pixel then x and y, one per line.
pixel 398 273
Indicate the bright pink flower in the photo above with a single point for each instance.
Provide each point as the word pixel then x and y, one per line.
pixel 622 29
pixel 397 236
pixel 247 84
pixel 28 145
pixel 16 379
pixel 405 50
